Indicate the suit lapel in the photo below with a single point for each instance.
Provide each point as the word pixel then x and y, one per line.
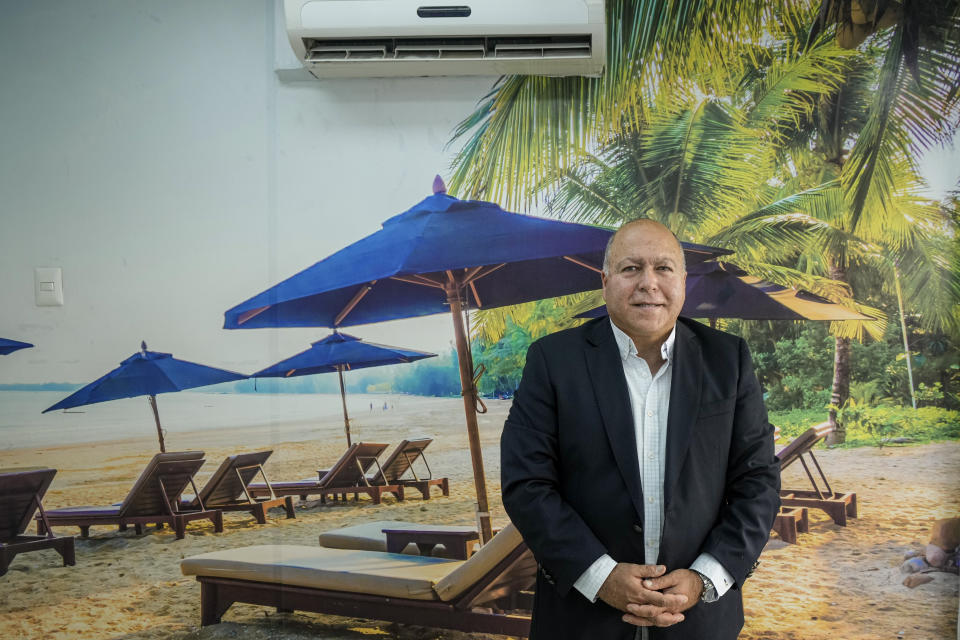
pixel 684 404
pixel 610 390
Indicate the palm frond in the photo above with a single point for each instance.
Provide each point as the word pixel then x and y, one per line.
pixel 528 128
pixel 913 104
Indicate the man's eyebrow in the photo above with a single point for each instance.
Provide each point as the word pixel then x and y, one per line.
pixel 658 260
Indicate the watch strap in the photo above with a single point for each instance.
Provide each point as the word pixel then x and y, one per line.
pixel 709 590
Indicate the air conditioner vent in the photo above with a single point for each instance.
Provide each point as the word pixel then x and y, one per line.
pixel 448 48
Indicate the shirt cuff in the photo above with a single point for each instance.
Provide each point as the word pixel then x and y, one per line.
pixel 592 579
pixel 711 567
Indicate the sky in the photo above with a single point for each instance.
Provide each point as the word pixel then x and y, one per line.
pixel 172 187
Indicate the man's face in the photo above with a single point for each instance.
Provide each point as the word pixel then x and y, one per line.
pixel 646 286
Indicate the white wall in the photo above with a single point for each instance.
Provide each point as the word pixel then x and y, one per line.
pixel 150 150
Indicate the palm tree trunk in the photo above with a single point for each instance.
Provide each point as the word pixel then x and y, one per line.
pixel 841 373
pixel 841 388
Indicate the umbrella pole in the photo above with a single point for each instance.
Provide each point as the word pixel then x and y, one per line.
pixel 156 417
pixel 470 409
pixel 343 399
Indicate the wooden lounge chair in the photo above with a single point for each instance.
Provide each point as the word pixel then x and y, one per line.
pixel 154 498
pixel 472 595
pixel 21 492
pixel 839 506
pixel 226 490
pixel 790 521
pixel 402 460
pixel 348 475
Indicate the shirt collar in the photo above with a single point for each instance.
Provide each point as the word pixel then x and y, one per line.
pixel 627 348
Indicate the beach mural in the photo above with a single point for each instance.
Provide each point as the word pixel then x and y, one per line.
pixel 806 153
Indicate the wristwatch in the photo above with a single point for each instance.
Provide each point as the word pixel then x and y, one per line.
pixel 709 591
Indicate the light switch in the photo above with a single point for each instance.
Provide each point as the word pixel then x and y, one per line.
pixel 48 286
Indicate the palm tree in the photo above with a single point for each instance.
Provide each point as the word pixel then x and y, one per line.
pixel 913 103
pixel 704 145
pixel 529 127
pixel 848 196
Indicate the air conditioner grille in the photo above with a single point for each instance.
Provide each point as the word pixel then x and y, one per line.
pixel 448 48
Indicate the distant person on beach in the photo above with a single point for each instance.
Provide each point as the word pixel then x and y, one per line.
pixel 638 463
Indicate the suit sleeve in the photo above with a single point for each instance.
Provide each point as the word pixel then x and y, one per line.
pixel 752 492
pixel 561 541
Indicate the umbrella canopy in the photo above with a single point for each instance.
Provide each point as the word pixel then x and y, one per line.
pixel 401 271
pixel 340 352
pixel 9 346
pixel 436 257
pixel 147 373
pixel 723 290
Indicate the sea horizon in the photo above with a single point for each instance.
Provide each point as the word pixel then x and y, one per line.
pixel 24 425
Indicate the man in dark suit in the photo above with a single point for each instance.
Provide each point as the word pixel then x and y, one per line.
pixel 638 463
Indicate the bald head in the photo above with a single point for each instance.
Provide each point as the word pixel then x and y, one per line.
pixel 642 225
pixel 644 283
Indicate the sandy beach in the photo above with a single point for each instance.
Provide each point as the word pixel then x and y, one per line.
pixel 837 583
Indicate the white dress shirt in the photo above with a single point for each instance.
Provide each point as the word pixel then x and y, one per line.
pixel 650 402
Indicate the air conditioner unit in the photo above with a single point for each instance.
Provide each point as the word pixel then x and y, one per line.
pixel 382 38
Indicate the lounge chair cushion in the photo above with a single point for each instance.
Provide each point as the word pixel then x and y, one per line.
pixel 480 564
pixel 104 511
pixel 385 574
pixel 369 536
pixel 306 483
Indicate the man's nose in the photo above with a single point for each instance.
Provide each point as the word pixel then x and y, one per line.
pixel 646 280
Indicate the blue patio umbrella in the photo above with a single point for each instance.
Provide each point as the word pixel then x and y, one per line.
pixel 9 346
pixel 438 256
pixel 340 352
pixel 147 373
pixel 723 290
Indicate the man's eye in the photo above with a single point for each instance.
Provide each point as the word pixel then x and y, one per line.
pixel 629 269
pixel 664 267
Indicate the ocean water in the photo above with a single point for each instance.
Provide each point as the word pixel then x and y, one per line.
pixel 22 423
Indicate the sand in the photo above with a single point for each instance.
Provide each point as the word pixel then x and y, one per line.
pixel 837 583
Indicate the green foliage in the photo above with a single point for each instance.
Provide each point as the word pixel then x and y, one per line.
pixel 506 333
pixel 859 417
pixel 923 425
pixel 793 422
pixel 926 424
pixel 794 363
pixel 503 360
pixel 434 377
pixel 797 370
pixel 929 396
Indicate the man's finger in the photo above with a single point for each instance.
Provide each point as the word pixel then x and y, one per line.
pixel 661 620
pixel 663 600
pixel 672 579
pixel 667 619
pixel 649 570
pixel 659 584
pixel 645 610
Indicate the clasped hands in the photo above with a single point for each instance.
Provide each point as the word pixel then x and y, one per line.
pixel 648 596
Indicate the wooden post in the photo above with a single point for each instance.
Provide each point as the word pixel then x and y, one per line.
pixel 343 399
pixel 469 407
pixel 156 418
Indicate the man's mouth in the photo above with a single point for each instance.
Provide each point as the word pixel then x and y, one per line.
pixel 646 305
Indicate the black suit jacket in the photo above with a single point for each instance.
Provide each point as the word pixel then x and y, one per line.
pixel 571 479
